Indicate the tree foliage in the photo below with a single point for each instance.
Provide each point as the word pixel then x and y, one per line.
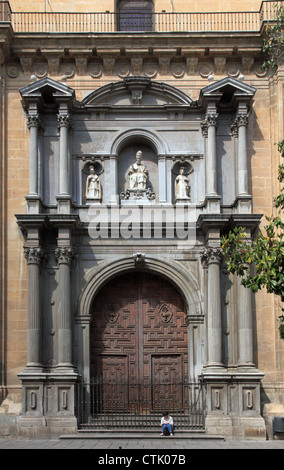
pixel 260 262
pixel 273 45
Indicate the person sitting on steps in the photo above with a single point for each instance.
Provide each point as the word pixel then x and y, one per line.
pixel 167 424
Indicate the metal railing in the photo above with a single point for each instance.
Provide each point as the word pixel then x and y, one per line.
pixel 109 22
pixel 111 404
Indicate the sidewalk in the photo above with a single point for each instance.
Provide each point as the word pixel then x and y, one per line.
pixel 166 444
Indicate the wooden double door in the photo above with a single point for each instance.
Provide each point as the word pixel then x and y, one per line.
pixel 139 332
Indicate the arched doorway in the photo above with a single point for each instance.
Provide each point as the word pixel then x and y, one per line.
pixel 139 331
pixel 138 346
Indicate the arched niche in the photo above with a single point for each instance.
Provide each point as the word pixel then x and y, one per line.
pixel 127 156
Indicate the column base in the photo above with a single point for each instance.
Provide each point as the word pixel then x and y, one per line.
pixel 64 204
pixel 48 404
pixel 34 204
pixel 243 204
pixel 233 404
pixel 213 203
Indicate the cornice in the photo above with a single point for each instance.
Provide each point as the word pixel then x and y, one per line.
pixel 123 55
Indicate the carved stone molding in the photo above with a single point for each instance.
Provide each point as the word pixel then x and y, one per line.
pixel 112 312
pixel 34 255
pixel 165 313
pixel 64 255
pixel 241 120
pixel 139 259
pixel 26 64
pixel 136 65
pixel 64 120
pixel 209 120
pixel 211 255
pixel 34 121
pixel 220 65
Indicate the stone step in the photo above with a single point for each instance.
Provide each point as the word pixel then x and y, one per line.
pixel 138 434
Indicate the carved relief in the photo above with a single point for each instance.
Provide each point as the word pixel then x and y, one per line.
pixel 64 255
pixel 112 312
pixel 95 69
pixel 192 65
pixel 211 255
pixel 13 71
pixel 150 69
pixel 136 65
pixel 26 64
pixel 34 255
pixel 165 313
pixel 164 64
pixel 123 69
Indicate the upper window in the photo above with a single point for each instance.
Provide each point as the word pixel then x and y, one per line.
pixel 135 15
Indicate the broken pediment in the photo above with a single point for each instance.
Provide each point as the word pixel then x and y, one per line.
pixel 227 92
pixel 47 93
pixel 137 91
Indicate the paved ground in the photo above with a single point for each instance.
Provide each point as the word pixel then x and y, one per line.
pixel 165 444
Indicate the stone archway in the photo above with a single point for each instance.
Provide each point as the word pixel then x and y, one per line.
pixel 139 324
pixel 100 275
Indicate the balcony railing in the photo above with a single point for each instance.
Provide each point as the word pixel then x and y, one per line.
pixel 108 22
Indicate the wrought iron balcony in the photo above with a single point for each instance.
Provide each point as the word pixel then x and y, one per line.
pixel 164 22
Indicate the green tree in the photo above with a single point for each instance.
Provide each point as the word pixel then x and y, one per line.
pixel 273 44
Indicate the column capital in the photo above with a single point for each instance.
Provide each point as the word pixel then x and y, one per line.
pixel 210 120
pixel 241 120
pixel 34 120
pixel 211 255
pixel 64 255
pixel 34 255
pixel 64 120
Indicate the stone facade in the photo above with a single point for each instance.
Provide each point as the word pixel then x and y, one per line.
pixel 79 104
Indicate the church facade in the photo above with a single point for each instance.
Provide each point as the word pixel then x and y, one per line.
pixel 132 141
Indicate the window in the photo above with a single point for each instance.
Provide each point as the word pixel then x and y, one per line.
pixel 135 15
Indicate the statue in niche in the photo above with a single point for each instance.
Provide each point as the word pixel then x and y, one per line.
pixel 182 188
pixel 93 185
pixel 138 173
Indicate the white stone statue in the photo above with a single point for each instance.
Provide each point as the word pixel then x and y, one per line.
pixel 93 185
pixel 182 185
pixel 138 173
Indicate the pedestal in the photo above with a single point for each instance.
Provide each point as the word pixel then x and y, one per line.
pixel 137 197
pixel 48 405
pixel 233 405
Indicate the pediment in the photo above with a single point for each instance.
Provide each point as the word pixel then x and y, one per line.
pixel 46 92
pixel 136 91
pixel 238 86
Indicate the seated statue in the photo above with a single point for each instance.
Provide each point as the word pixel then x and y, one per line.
pixel 138 173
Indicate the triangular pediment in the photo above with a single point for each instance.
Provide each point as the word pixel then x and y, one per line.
pixel 136 91
pixel 46 91
pixel 237 86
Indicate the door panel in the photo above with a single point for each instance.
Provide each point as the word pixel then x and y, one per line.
pixel 138 330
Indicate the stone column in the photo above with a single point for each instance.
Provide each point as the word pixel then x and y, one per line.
pixel 64 122
pixel 34 257
pixel 64 198
pixel 162 169
pixel 211 120
pixel 212 259
pixel 245 336
pixel 242 122
pixel 64 256
pixel 33 199
pixel 113 196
